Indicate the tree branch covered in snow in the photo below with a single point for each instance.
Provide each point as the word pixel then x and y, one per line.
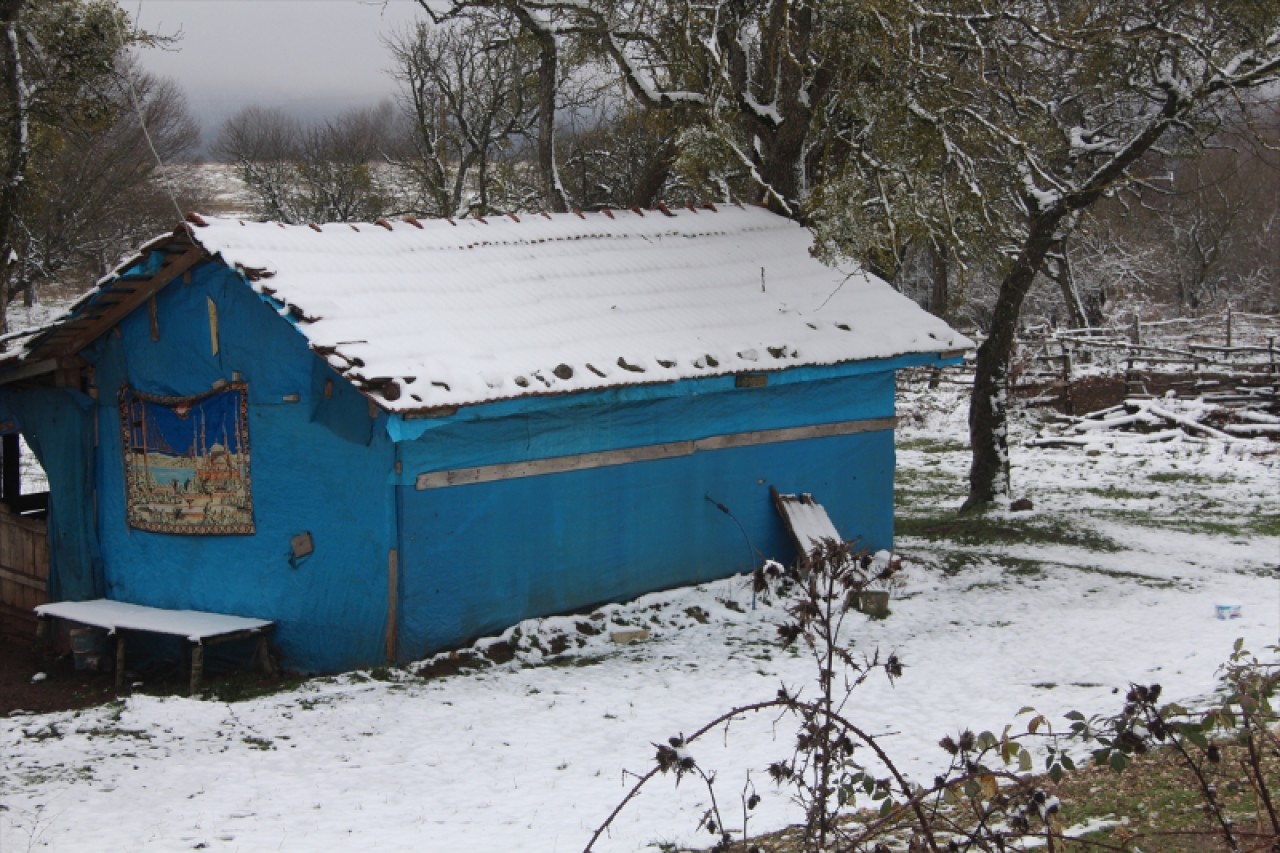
pixel 992 129
pixel 752 75
pixel 64 74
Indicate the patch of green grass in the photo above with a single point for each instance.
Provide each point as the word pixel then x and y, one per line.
pixel 932 445
pixel 988 530
pixel 1208 525
pixel 47 732
pixel 1181 477
pixel 1019 566
pixel 1219 526
pixel 950 562
pixel 115 731
pixel 242 686
pixel 1265 524
pixel 1154 805
pixel 1144 580
pixel 382 673
pixel 567 662
pixel 1121 494
pixel 1160 799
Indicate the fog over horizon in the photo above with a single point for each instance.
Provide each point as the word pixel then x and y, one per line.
pixel 311 58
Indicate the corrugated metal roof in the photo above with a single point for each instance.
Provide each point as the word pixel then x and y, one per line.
pixel 442 313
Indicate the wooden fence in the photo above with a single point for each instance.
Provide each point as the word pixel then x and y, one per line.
pixel 1228 354
pixel 1231 354
pixel 24 573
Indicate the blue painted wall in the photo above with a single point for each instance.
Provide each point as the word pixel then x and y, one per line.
pixel 478 558
pixel 332 608
pixel 481 557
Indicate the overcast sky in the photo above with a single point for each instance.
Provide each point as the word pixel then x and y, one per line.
pixel 312 57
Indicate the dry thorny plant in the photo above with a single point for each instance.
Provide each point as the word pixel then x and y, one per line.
pixel 990 796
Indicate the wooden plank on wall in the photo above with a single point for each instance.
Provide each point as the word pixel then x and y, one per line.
pixel 24 572
pixel 670 450
pixel 8 576
pixel 393 597
pixel 213 325
pixel 81 335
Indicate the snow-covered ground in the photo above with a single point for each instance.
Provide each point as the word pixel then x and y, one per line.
pixel 1112 578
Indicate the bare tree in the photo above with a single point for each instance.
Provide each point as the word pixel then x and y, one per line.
pixel 263 145
pixel 1216 223
pixel 17 139
pixel 338 167
pixel 323 173
pixel 742 71
pixel 468 88
pixel 625 157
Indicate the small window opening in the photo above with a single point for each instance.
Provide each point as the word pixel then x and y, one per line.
pixel 24 486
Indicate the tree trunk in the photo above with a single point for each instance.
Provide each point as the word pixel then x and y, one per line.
pixel 553 195
pixel 1076 316
pixel 988 406
pixel 655 174
pixel 13 91
pixel 789 33
pixel 552 191
pixel 939 282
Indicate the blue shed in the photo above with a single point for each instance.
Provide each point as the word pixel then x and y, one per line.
pixel 392 438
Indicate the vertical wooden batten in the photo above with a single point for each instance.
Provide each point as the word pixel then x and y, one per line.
pixel 393 595
pixel 153 315
pixel 213 324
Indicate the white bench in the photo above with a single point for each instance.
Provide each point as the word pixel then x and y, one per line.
pixel 197 627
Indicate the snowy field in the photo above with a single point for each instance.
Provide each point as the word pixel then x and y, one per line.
pixel 1112 578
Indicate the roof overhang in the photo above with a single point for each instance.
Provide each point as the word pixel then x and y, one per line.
pixel 162 261
pixel 53 352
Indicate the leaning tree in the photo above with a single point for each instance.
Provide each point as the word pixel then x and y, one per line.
pixel 995 127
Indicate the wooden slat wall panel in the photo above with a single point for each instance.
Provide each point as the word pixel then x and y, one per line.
pixel 24 573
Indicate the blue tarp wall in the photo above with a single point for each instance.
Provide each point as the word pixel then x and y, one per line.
pixel 477 558
pixel 317 465
pixel 58 424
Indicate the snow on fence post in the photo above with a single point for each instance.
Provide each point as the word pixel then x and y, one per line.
pixel 1067 405
pixel 1271 357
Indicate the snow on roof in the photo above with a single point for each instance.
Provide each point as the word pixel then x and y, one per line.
pixel 440 313
pixel 473 311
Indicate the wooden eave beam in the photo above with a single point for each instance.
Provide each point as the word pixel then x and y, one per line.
pixel 79 333
pixel 28 370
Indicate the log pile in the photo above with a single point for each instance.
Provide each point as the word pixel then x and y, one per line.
pixel 1229 418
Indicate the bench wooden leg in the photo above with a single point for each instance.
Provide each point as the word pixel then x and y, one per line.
pixel 264 655
pixel 119 661
pixel 197 667
pixel 46 634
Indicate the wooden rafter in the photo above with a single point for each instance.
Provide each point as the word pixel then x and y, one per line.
pixel 118 301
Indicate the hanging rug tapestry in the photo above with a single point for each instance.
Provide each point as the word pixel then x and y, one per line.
pixel 186 462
